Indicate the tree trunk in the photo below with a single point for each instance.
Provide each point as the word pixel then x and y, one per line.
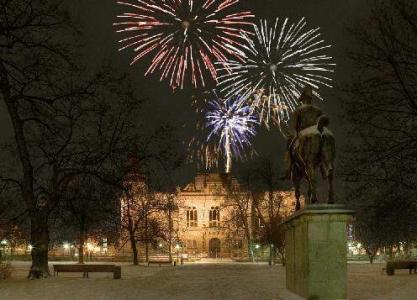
pixel 271 255
pixel 390 252
pixel 147 251
pixel 134 249
pixel 282 255
pixel 81 245
pixel 250 251
pixel 146 239
pixel 38 221
pixel 170 225
pixel 371 254
pixel 131 229
pixel 39 236
pixel 248 237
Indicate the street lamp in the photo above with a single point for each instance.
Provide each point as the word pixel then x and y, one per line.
pixel 90 247
pixel 3 245
pixel 66 247
pixel 177 247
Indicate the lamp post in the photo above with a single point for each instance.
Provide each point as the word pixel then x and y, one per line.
pixel 3 245
pixel 66 247
pixel 257 246
pixel 90 248
pixel 177 247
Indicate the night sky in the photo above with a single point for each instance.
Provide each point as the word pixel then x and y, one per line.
pixel 95 17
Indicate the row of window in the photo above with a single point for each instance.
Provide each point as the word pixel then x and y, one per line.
pixel 214 217
pixel 192 244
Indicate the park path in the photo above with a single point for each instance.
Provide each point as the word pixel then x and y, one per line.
pixel 199 281
pixel 406 292
pixel 203 281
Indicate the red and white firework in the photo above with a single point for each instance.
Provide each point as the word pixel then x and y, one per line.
pixel 184 37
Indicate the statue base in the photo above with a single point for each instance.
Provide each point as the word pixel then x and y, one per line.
pixel 316 249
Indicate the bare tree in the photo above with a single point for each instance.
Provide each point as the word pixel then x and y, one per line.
pixel 33 62
pixel 239 207
pixel 146 216
pixel 135 195
pixel 87 205
pixel 380 108
pixel 271 200
pixel 170 206
pixel 147 194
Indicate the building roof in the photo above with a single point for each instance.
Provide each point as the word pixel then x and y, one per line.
pixel 206 182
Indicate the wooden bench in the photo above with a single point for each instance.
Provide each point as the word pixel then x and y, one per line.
pixel 159 261
pixel 393 265
pixel 85 269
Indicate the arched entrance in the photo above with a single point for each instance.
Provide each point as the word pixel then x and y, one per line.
pixel 214 248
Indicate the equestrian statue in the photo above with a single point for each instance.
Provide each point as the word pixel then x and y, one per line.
pixel 310 147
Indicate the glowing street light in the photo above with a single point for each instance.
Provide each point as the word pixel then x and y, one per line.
pixel 66 246
pixel 90 247
pixel 257 246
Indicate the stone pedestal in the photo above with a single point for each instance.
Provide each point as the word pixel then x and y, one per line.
pixel 316 248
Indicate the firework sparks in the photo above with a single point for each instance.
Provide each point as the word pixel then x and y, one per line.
pixel 231 126
pixel 185 36
pixel 278 64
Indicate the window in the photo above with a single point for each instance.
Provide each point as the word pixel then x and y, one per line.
pixel 192 217
pixel 191 244
pixel 214 217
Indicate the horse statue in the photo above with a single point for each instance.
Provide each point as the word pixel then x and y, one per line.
pixel 313 148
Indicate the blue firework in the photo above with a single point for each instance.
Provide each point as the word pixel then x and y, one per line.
pixel 231 125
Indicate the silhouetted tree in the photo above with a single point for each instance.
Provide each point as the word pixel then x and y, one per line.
pixel 380 108
pixel 239 210
pixel 268 195
pixel 87 204
pixel 63 127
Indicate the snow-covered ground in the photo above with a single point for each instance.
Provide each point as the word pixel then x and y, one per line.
pixel 198 281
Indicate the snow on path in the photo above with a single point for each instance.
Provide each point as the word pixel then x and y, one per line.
pixel 211 281
pixel 199 281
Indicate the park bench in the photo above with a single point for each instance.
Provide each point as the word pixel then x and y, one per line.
pixel 393 265
pixel 88 268
pixel 159 260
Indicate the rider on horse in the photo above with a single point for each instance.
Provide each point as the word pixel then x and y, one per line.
pixel 306 115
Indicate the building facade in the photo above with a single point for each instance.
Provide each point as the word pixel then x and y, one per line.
pixel 202 227
pixel 210 210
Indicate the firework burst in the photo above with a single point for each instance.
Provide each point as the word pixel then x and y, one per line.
pixel 184 36
pixel 278 64
pixel 231 126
